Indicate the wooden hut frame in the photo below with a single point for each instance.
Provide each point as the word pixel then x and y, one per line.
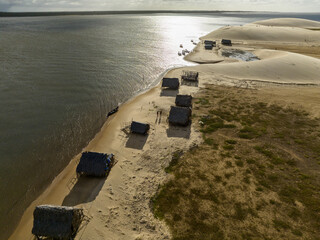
pixel 190 76
pixel 56 222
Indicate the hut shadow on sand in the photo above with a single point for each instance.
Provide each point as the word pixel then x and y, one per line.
pixel 190 83
pixel 137 141
pixel 169 92
pixel 85 190
pixel 179 131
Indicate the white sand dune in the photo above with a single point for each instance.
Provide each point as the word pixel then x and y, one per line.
pixel 253 32
pixel 274 66
pixel 290 22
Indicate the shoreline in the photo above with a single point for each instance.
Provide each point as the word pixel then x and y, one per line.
pixel 58 189
pixel 63 184
pixel 58 185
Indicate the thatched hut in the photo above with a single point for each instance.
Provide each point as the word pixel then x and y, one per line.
pixel 170 83
pixel 208 42
pixel 184 100
pixel 95 164
pixel 139 128
pixel 208 45
pixel 190 76
pixel 179 116
pixel 226 42
pixel 56 222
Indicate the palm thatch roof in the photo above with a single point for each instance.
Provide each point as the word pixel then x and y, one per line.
pixel 179 116
pixel 170 83
pixel 95 164
pixel 226 42
pixel 139 128
pixel 209 44
pixel 56 222
pixel 184 100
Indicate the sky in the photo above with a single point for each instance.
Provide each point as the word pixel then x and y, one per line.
pixel 114 5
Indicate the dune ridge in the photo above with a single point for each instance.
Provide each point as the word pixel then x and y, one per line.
pixel 290 22
pixel 274 66
pixel 254 32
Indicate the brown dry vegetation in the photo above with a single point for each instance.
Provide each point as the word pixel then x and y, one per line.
pixel 256 176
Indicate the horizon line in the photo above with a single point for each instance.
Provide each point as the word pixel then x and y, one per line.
pixel 63 12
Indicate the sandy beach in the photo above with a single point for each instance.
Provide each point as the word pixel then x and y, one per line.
pixel 119 207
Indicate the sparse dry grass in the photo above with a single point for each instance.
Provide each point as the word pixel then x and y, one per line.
pixel 256 176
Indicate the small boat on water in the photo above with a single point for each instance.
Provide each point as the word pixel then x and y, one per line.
pixel 186 51
pixel 181 45
pixel 179 53
pixel 112 111
pixel 194 43
pixel 183 53
pixel 191 40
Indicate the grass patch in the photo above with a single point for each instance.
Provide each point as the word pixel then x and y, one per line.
pixel 174 161
pixel 239 163
pixel 240 212
pixel 279 224
pixel 212 124
pixel 211 142
pixel 249 133
pixel 246 179
pixel 251 161
pixel 202 101
pixel 272 156
pixel 297 232
pixel 228 147
pixel 267 165
pixel 232 142
pixel 218 179
pixel 229 164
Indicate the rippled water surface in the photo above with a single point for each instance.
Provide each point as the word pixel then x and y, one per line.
pixel 59 76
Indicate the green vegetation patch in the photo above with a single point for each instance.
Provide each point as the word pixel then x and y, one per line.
pixel 212 124
pixel 256 175
pixel 249 133
pixel 174 161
